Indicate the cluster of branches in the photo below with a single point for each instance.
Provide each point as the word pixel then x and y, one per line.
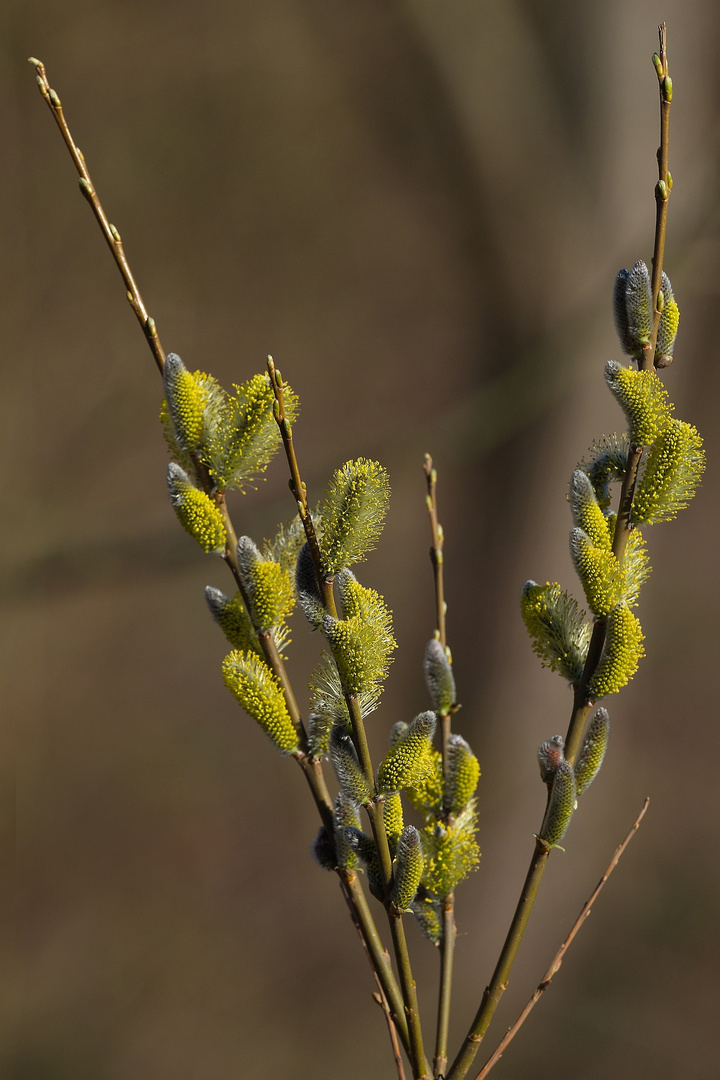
pixel 220 440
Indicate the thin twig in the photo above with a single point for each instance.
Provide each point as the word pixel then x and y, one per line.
pixel 380 999
pixel 112 236
pixel 377 956
pixel 560 954
pixel 449 929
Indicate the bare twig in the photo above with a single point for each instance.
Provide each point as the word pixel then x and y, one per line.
pixel 560 954
pixel 112 236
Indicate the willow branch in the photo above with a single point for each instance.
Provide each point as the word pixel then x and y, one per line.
pixel 298 488
pixel 449 929
pixel 557 960
pixel 311 767
pixel 112 236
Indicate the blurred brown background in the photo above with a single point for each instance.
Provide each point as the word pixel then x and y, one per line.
pixel 419 208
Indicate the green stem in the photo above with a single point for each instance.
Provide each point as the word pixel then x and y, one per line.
pixel 498 983
pixel 379 959
pixel 447 953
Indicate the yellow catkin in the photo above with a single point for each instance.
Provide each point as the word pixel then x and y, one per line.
pixel 258 690
pixel 621 654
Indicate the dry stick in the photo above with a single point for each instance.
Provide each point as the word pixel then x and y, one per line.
pixel 449 929
pixel 414 1044
pixel 311 767
pixel 581 703
pixel 560 954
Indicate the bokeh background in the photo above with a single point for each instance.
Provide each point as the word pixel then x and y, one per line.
pixel 418 207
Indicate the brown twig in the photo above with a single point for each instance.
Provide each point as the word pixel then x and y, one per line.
pixel 112 236
pixel 560 954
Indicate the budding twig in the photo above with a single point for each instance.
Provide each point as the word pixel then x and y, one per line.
pixel 557 960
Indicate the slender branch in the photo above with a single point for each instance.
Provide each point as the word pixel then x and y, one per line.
pixel 298 488
pixel 377 955
pixel 662 192
pixel 499 981
pixel 380 998
pixel 449 930
pixel 375 810
pixel 557 960
pixel 112 236
pixel 436 551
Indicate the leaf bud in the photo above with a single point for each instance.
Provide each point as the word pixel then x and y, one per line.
pixel 407 869
pixel 347 767
pixel 632 307
pixel 550 755
pixel 323 850
pixel 345 815
pixel 560 806
pixel 439 678
pixel 364 847
pixel 667 88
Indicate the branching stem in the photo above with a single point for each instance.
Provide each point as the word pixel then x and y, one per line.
pixel 581 703
pixel 311 767
pixel 557 960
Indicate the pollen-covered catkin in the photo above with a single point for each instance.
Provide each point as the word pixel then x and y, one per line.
pixel 259 692
pixel 407 869
pixel 196 511
pixel 621 654
pixel 353 513
pixel 673 470
pixel 409 760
